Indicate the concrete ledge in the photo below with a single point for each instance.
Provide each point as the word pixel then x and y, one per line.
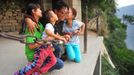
pixel 12 58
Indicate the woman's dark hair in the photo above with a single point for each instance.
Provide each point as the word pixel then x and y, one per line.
pixel 59 4
pixel 30 7
pixel 28 14
pixel 74 12
pixel 46 17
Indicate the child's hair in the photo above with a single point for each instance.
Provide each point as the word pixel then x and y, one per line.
pixel 74 12
pixel 46 17
pixel 30 7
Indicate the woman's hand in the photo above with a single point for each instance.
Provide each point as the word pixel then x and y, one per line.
pixel 38 44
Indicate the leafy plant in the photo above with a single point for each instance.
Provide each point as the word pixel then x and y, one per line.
pixel 122 57
pixel 129 19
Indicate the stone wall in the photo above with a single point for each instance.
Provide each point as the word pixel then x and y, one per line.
pixel 47 4
pixel 10 20
pixel 72 3
pixel 77 5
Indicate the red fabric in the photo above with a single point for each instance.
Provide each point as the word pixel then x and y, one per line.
pixel 44 53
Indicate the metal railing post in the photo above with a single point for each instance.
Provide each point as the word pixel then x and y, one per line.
pixel 97 25
pixel 85 32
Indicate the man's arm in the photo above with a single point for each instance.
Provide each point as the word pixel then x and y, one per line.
pixel 48 32
pixel 30 25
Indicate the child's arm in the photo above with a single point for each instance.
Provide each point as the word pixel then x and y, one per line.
pixel 49 33
pixel 66 36
pixel 33 46
pixel 29 22
pixel 80 30
pixel 48 38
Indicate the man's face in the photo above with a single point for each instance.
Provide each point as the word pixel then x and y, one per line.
pixel 62 13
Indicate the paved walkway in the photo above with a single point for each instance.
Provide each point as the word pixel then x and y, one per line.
pixel 12 58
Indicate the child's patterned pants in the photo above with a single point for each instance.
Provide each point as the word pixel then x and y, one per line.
pixel 42 54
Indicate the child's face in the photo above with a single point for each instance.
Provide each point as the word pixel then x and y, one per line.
pixel 70 14
pixel 54 16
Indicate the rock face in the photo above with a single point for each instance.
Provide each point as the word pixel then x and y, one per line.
pixel 10 19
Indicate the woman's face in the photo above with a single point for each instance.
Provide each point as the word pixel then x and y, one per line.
pixel 37 12
pixel 70 14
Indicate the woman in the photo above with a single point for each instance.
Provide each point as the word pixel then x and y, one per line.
pixel 33 14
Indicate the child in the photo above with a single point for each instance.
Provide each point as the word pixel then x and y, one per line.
pixel 73 28
pixel 49 33
pixel 36 53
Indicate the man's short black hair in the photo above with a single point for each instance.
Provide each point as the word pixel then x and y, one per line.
pixel 59 4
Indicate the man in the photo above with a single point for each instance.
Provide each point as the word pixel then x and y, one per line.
pixel 61 9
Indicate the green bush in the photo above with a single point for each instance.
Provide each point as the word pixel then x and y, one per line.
pixel 107 69
pixel 122 57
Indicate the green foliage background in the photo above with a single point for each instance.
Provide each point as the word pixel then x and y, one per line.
pixel 129 19
pixel 122 57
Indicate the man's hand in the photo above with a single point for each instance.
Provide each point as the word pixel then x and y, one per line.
pixel 64 40
pixel 31 25
pixel 67 37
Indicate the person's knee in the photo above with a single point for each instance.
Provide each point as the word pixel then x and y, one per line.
pixel 57 48
pixel 60 63
pixel 70 52
pixel 57 51
pixel 77 60
pixel 71 57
